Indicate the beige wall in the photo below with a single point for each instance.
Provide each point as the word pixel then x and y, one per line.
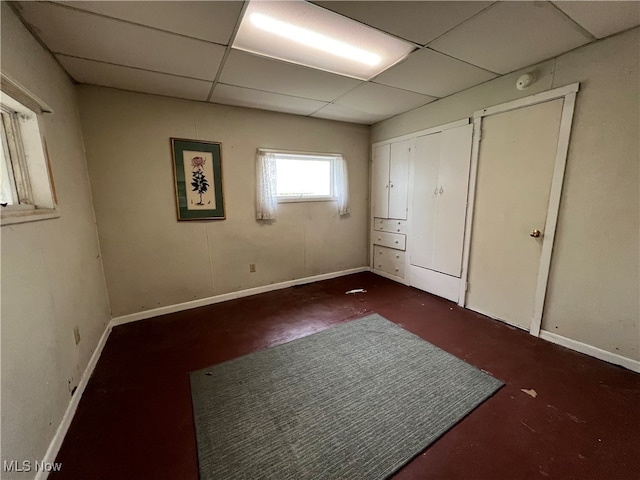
pixel 51 271
pixel 152 260
pixel 595 275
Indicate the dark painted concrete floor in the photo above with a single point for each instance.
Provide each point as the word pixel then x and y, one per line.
pixel 135 418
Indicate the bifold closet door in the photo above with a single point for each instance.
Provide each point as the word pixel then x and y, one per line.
pixel 380 181
pixel 453 175
pixel 440 185
pixel 424 200
pixel 399 179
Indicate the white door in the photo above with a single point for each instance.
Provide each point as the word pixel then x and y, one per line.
pixel 398 179
pixel 453 176
pixel 515 167
pixel 380 181
pixel 439 199
pixel 424 200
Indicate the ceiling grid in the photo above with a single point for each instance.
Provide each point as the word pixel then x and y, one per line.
pixel 184 49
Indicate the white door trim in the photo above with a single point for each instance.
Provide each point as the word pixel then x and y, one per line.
pixel 552 213
pixel 567 92
pixel 471 200
pixel 528 101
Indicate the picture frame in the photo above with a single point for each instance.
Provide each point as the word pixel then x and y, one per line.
pixel 197 172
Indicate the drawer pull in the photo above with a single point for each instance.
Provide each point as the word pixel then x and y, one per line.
pixel 396 269
pixel 379 265
pixel 396 241
pixel 380 238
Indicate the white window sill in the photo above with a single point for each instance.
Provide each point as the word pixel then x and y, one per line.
pixel 306 199
pixel 30 215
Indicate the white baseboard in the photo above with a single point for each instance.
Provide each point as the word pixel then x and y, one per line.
pixel 591 350
pixel 133 317
pixel 389 276
pixel 56 442
pixel 61 432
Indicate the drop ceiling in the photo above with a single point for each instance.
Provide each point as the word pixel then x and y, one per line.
pixel 183 49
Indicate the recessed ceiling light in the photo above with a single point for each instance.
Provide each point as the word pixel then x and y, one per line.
pixel 300 32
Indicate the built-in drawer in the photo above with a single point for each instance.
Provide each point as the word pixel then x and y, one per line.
pixel 391 240
pixel 388 260
pixel 390 225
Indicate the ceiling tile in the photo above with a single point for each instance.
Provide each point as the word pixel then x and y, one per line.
pixel 433 73
pixel 211 21
pixel 602 19
pixel 125 78
pixel 346 114
pixel 251 71
pixel 246 97
pixel 79 34
pixel 512 35
pixel 376 99
pixel 419 22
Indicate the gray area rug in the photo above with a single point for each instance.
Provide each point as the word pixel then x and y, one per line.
pixel 356 401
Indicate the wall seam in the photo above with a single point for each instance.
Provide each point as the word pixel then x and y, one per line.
pixel 206 235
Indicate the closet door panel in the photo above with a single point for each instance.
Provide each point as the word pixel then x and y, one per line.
pixel 424 200
pixel 399 179
pixel 453 174
pixel 380 181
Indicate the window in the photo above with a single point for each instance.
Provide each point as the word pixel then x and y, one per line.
pixel 7 184
pixel 14 187
pixel 302 177
pixel 299 177
pixel 25 187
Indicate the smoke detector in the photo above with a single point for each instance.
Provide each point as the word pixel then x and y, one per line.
pixel 525 81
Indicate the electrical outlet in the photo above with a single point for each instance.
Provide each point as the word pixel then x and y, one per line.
pixel 252 267
pixel 76 334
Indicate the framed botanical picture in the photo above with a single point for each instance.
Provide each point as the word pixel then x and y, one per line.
pixel 197 168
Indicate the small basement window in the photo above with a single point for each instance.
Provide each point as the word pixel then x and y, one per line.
pixel 26 194
pixel 286 176
pixel 304 177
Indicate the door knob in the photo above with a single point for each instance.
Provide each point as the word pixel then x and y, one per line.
pixel 535 233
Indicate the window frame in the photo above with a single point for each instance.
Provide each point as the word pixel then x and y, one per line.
pixel 5 172
pixel 308 156
pixel 25 155
pixel 15 157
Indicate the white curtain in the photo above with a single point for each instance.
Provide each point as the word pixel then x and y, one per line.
pixel 341 183
pixel 266 194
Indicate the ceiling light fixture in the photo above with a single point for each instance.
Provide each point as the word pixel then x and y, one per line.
pixel 306 34
pixel 314 39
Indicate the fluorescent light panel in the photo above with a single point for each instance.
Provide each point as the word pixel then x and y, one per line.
pixel 300 32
